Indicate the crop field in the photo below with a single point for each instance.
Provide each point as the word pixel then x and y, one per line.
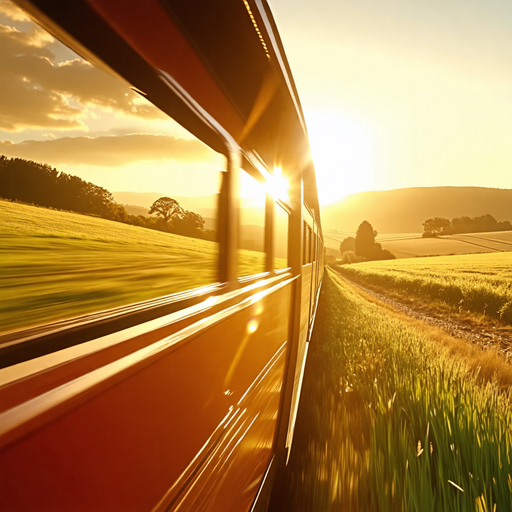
pixel 479 283
pixel 411 245
pixel 470 243
pixel 332 239
pixel 56 265
pixel 390 421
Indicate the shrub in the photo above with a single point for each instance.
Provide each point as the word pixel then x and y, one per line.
pixel 351 257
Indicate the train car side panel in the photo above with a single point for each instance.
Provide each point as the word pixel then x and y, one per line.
pixel 126 442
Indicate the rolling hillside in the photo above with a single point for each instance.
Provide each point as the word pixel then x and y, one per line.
pixel 405 210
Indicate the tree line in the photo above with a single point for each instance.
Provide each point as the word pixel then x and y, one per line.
pixel 440 226
pixel 40 184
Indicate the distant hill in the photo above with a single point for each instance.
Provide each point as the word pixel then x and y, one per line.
pixel 136 210
pixel 404 210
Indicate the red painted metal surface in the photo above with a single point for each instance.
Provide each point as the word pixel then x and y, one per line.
pixel 124 444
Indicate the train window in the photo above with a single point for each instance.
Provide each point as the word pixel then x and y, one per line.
pixel 281 238
pixel 251 252
pixel 105 200
pixel 311 245
pixel 305 247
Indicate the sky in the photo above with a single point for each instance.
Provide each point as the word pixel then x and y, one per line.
pixel 396 94
pixel 403 93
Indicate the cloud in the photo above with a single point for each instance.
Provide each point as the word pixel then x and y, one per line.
pixel 12 11
pixel 37 92
pixel 108 151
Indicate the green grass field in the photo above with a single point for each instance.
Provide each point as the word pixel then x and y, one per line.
pixel 479 283
pixel 389 421
pixel 56 265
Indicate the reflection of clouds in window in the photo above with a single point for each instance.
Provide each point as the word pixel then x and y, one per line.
pixel 111 151
pixel 170 178
pixel 37 91
pixel 11 11
pixel 50 97
pixel 148 163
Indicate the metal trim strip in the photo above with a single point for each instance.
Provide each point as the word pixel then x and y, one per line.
pixel 30 367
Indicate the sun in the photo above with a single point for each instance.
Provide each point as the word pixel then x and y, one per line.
pixel 343 154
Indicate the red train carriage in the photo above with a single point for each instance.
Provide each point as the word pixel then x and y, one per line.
pixel 185 401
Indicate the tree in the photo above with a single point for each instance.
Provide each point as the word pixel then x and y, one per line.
pixel 365 240
pixel 167 208
pixel 189 224
pixel 478 224
pixel 504 226
pixel 486 223
pixel 437 226
pixel 347 245
pixel 32 182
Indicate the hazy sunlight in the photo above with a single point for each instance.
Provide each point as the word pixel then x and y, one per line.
pixel 342 150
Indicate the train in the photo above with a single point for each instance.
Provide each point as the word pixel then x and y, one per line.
pixel 186 401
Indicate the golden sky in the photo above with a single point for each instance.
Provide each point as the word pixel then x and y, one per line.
pixel 403 93
pixel 396 93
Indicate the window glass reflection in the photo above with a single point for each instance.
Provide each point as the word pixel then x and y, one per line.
pixel 305 246
pixel 251 253
pixel 280 238
pixel 105 201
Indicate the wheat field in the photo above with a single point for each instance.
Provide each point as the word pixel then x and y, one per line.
pixel 479 283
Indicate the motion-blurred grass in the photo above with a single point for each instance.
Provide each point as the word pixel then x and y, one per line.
pixel 56 265
pixel 480 283
pixel 388 421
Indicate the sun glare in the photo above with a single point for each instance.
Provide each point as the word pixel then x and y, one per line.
pixel 277 186
pixel 342 150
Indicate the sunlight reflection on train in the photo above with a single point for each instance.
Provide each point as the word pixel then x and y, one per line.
pixel 252 326
pixel 210 301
